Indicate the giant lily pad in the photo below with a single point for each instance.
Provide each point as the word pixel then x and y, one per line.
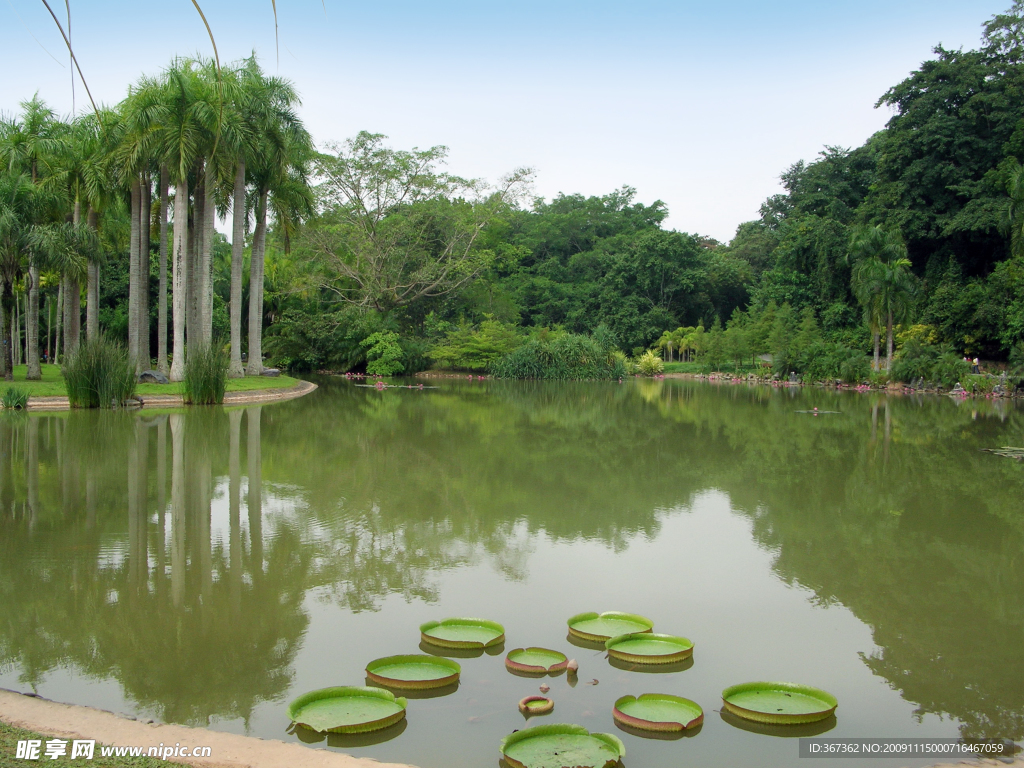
pixel 649 648
pixel 604 626
pixel 463 633
pixel 778 703
pixel 558 746
pixel 658 712
pixel 347 709
pixel 536 661
pixel 413 671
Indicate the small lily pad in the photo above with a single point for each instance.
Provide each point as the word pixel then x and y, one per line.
pixel 539 661
pixel 557 746
pixel 779 703
pixel 413 671
pixel 649 648
pixel 658 712
pixel 536 705
pixel 604 626
pixel 463 633
pixel 347 709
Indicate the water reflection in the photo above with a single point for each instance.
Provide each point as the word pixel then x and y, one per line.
pixel 125 552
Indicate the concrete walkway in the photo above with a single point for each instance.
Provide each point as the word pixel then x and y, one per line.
pixel 175 401
pixel 227 750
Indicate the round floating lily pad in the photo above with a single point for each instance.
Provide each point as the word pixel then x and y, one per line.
pixel 536 705
pixel 463 633
pixel 779 703
pixel 557 746
pixel 347 709
pixel 536 661
pixel 649 648
pixel 658 712
pixel 413 671
pixel 604 626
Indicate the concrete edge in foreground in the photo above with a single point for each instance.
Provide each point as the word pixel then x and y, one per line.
pixel 248 397
pixel 228 750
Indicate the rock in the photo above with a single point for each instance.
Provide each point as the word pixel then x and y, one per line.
pixel 271 372
pixel 153 377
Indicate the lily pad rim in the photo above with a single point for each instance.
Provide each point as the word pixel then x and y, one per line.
pixel 591 615
pixel 762 685
pixel 680 700
pixel 685 645
pixel 558 666
pixel 341 691
pixel 414 658
pixel 463 622
pixel 561 729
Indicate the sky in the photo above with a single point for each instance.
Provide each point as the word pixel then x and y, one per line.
pixel 699 104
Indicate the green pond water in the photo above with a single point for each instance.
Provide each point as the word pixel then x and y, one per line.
pixel 208 567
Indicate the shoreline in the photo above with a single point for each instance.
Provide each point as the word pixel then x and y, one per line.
pixel 227 750
pixel 271 395
pixel 891 389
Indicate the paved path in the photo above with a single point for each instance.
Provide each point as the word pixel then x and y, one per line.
pixel 228 750
pixel 174 401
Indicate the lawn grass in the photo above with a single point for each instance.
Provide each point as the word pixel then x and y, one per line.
pixel 10 736
pixel 694 367
pixel 52 384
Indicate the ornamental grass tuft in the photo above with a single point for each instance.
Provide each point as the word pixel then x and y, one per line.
pixel 14 398
pixel 99 375
pixel 206 375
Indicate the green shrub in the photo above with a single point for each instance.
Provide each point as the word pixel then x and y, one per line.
pixel 649 364
pixel 206 375
pixel 949 368
pixel 826 361
pixel 383 354
pixel 474 349
pixel 566 357
pixel 14 398
pixel 99 375
pixel 979 383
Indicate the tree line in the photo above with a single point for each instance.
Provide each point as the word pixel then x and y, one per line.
pixel 361 255
pixel 136 189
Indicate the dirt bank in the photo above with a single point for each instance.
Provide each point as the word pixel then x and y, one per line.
pixel 175 401
pixel 228 750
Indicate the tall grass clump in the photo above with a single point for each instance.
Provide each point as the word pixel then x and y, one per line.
pixel 566 357
pixel 99 375
pixel 14 398
pixel 206 375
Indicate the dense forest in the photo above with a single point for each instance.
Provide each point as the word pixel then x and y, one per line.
pixel 910 247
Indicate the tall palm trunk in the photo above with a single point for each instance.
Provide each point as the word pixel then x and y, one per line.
pixel 206 262
pixel 195 317
pixel 255 367
pixel 16 349
pixel 888 341
pixel 874 366
pixel 179 275
pixel 60 319
pixel 161 311
pixel 133 273
pixel 237 254
pixel 145 206
pixel 92 290
pixel 8 328
pixel 34 372
pixel 72 299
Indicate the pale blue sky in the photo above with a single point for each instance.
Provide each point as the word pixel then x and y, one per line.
pixel 699 104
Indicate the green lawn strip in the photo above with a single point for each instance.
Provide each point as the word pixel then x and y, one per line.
pixel 702 368
pixel 52 384
pixel 10 736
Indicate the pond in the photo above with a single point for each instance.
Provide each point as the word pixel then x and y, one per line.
pixel 207 567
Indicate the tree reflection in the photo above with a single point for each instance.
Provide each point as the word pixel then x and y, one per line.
pixel 111 561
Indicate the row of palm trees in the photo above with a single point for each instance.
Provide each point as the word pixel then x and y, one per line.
pixel 196 142
pixel 882 283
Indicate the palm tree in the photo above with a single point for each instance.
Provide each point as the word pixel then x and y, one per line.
pixel 279 166
pixel 882 281
pixel 180 120
pixel 27 145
